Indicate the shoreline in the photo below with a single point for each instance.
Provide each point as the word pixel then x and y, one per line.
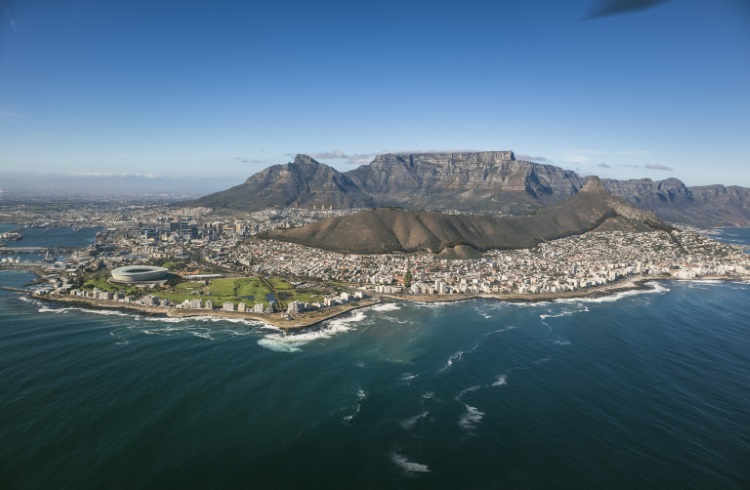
pixel 310 319
pixel 301 321
pixel 630 284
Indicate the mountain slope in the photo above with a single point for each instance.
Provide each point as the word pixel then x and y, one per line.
pixel 672 200
pixel 303 182
pixel 392 230
pixel 491 182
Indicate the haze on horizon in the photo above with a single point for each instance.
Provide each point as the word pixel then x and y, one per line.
pixel 172 93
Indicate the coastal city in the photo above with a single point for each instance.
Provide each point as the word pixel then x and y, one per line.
pixel 202 253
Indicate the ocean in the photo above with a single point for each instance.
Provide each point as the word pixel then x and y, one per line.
pixel 642 389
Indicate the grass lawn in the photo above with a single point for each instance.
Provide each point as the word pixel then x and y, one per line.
pixel 252 286
pixel 220 291
pixel 306 297
pixel 280 284
pixel 102 283
pixel 178 297
pixel 234 290
pixel 222 287
pixel 189 285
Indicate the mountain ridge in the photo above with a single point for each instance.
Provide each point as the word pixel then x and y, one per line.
pixel 492 182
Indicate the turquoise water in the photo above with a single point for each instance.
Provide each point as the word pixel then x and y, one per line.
pixel 639 390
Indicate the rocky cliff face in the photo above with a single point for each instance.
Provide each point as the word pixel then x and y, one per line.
pixel 492 181
pixel 462 180
pixel 672 200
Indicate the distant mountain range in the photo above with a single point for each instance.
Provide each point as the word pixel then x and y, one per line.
pixel 475 182
pixel 464 236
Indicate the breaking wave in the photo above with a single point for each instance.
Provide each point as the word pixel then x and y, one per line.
pixel 386 307
pixel 433 305
pixel 454 358
pixel 46 309
pixel 580 308
pixel 281 342
pixel 167 331
pixel 655 287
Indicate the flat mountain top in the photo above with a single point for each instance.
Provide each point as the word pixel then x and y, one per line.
pixel 396 230
pixel 491 181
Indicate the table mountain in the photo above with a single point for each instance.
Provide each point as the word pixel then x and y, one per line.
pixel 491 182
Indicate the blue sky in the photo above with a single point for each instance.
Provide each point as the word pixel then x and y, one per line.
pixel 220 90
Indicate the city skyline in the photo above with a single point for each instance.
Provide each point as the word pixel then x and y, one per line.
pixel 218 93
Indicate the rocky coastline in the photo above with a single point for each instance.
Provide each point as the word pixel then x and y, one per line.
pixel 279 320
pixel 310 319
pixel 628 284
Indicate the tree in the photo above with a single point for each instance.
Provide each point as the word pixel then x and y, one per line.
pixel 407 279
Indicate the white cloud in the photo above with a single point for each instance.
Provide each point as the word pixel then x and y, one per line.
pixel 247 160
pixel 657 166
pixel 529 158
pixel 349 157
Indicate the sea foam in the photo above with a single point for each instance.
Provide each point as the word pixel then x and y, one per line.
pixel 471 418
pixel 44 309
pixel 500 330
pixel 386 307
pixel 458 356
pixel 412 421
pixel 361 395
pixel 294 342
pixel 408 466
pixel 655 288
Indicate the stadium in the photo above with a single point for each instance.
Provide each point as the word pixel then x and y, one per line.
pixel 139 273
